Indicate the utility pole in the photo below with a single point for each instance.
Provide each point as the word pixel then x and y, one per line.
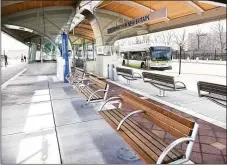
pixel 180 60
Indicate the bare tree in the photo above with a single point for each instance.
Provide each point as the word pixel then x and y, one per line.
pixel 219 36
pixel 180 38
pixel 154 38
pixel 146 39
pixel 167 38
pixel 200 37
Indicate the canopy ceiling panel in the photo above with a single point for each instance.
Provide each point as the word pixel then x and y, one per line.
pixel 176 9
pixel 16 7
pixel 47 18
pixel 83 30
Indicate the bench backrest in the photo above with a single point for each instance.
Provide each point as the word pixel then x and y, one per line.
pixel 212 88
pixel 99 82
pixel 124 71
pixel 158 77
pixel 173 123
pixel 79 72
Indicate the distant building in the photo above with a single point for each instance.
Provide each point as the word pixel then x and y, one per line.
pixel 208 42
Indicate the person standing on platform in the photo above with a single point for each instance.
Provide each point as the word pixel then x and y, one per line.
pixel 6 60
pixel 24 58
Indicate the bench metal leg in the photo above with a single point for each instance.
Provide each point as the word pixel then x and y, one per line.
pixel 127 154
pixel 161 93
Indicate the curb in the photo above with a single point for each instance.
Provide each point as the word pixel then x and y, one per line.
pixel 12 78
pixel 182 109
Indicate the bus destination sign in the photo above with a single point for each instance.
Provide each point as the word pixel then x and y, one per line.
pixel 162 13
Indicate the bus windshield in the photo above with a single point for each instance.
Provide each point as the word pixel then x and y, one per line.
pixel 161 53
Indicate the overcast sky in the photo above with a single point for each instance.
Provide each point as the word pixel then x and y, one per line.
pixel 8 43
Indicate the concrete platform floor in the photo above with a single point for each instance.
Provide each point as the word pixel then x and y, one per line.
pixel 43 122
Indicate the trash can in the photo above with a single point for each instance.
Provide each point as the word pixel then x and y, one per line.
pixel 110 71
pixel 115 76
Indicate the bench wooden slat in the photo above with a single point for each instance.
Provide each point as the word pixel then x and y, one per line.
pixel 145 138
pixel 158 77
pixel 143 141
pixel 173 153
pixel 215 96
pixel 149 145
pixel 132 135
pixel 212 88
pixel 134 146
pixel 124 71
pixel 87 92
pixel 99 83
pixel 150 107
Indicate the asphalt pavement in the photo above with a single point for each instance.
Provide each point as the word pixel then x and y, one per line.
pixel 11 70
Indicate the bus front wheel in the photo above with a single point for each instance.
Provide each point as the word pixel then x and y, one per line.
pixel 142 65
pixel 123 63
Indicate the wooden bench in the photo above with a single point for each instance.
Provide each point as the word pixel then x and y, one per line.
pixel 128 74
pixel 163 82
pixel 149 147
pixel 95 89
pixel 78 75
pixel 214 92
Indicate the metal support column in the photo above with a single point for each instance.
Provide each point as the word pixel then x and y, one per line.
pixel 29 52
pixel 41 49
pixel 84 55
pixel 180 60
pixel 65 55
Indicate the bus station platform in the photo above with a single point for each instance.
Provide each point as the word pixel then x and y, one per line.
pixel 43 122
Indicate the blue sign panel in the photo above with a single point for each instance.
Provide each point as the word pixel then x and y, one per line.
pixel 64 51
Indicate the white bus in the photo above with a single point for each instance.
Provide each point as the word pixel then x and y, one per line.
pixel 157 57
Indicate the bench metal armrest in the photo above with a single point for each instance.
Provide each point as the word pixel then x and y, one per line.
pixel 171 146
pixel 90 83
pixel 108 100
pixel 99 90
pixel 180 83
pixel 130 114
pixel 134 73
pixel 68 75
pixel 80 82
pixel 188 151
pixel 198 87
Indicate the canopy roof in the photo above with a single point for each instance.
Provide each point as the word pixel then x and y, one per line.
pixel 179 14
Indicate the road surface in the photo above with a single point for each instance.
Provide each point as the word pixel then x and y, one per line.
pixel 11 70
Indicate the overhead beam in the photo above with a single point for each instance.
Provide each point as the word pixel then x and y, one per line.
pixel 192 19
pixel 85 26
pixel 214 3
pixel 12 33
pixel 113 13
pixel 107 3
pixel 135 5
pixel 82 29
pixel 84 33
pixel 194 6
pixel 83 36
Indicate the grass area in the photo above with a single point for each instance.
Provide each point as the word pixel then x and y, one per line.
pixel 134 66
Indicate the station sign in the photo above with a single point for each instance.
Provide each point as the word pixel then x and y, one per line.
pixel 103 50
pixel 152 16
